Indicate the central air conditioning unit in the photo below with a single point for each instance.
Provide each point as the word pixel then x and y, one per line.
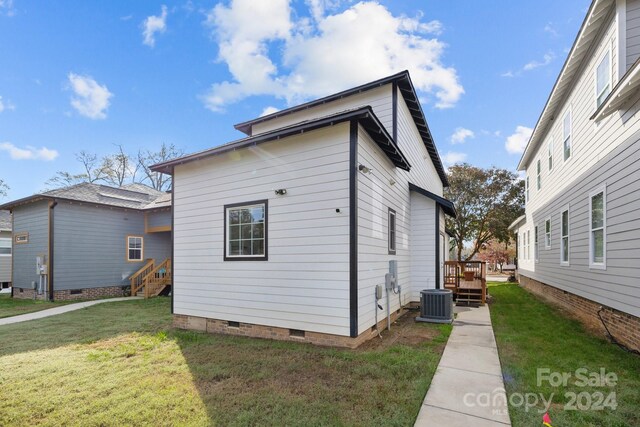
pixel 436 306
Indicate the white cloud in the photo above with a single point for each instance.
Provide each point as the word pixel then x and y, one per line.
pixel 453 157
pixel 461 135
pixel 319 56
pixel 547 58
pixel 532 65
pixel 6 8
pixel 90 98
pixel 550 29
pixel 269 110
pixel 152 25
pixel 6 105
pixel 28 153
pixel 517 142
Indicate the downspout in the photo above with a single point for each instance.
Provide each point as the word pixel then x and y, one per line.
pixel 52 205
pixel 437 221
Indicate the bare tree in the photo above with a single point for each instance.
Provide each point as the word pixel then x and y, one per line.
pixel 93 168
pixel 118 167
pixel 3 188
pixel 64 179
pixel 148 158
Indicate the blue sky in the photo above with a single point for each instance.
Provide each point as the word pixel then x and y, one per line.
pixel 85 75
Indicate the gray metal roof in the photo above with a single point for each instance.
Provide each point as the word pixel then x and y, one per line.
pixel 5 221
pixel 131 196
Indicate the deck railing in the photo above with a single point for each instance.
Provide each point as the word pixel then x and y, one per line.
pixel 157 278
pixel 467 280
pixel 137 278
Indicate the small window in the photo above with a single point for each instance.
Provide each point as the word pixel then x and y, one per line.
pixel 536 252
pixel 603 79
pixel 528 244
pixel 392 232
pixel 598 224
pixel 5 247
pixel 526 189
pixel 246 231
pixel 550 155
pixel 539 176
pixel 564 240
pixel 547 233
pixel 135 248
pixel 21 238
pixel 566 132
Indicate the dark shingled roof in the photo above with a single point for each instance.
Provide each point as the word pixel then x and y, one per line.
pixel 5 221
pixel 131 196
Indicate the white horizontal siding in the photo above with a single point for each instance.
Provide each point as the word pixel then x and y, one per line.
pixel 379 99
pixel 633 31
pixel 591 141
pixel 423 248
pixel 305 282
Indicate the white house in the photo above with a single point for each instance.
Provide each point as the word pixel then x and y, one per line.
pixel 286 233
pixel 579 242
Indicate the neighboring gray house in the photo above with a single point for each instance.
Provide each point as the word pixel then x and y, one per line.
pixel 5 249
pixel 579 241
pixel 88 240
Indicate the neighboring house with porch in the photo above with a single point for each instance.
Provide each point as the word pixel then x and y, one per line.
pixel 91 241
pixel 286 233
pixel 579 241
pixel 5 249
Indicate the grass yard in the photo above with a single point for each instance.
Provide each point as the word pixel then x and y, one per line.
pixel 12 307
pixel 531 334
pixel 121 363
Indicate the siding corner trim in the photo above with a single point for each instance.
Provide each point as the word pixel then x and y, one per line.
pixel 353 228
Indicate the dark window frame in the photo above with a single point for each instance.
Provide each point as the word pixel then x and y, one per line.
pixel 264 202
pixel 392 235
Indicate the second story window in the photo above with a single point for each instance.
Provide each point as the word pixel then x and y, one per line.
pixel 550 155
pixel 526 189
pixel 603 79
pixel 538 175
pixel 566 133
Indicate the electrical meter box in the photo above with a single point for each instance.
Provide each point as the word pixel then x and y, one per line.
pixel 41 266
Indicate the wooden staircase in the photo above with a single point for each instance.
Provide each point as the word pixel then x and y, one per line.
pixel 151 280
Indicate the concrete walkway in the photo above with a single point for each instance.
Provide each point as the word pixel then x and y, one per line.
pixel 467 389
pixel 59 310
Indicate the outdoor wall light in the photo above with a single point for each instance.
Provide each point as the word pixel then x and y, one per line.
pixel 281 192
pixel 364 169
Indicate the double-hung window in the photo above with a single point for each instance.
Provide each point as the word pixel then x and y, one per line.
pixel 597 232
pixel 547 233
pixel 564 237
pixel 392 232
pixel 5 246
pixel 536 253
pixel 566 135
pixel 246 231
pixel 538 175
pixel 603 79
pixel 135 248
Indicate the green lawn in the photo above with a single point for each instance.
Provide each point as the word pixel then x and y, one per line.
pixel 531 334
pixel 122 364
pixel 12 307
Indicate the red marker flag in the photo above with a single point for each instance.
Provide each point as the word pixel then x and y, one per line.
pixel 546 420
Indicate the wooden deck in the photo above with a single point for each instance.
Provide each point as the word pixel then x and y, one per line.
pixel 467 280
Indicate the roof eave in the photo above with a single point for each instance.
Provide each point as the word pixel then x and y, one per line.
pixel 577 47
pixel 365 114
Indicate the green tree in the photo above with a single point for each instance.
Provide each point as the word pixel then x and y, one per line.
pixel 487 201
